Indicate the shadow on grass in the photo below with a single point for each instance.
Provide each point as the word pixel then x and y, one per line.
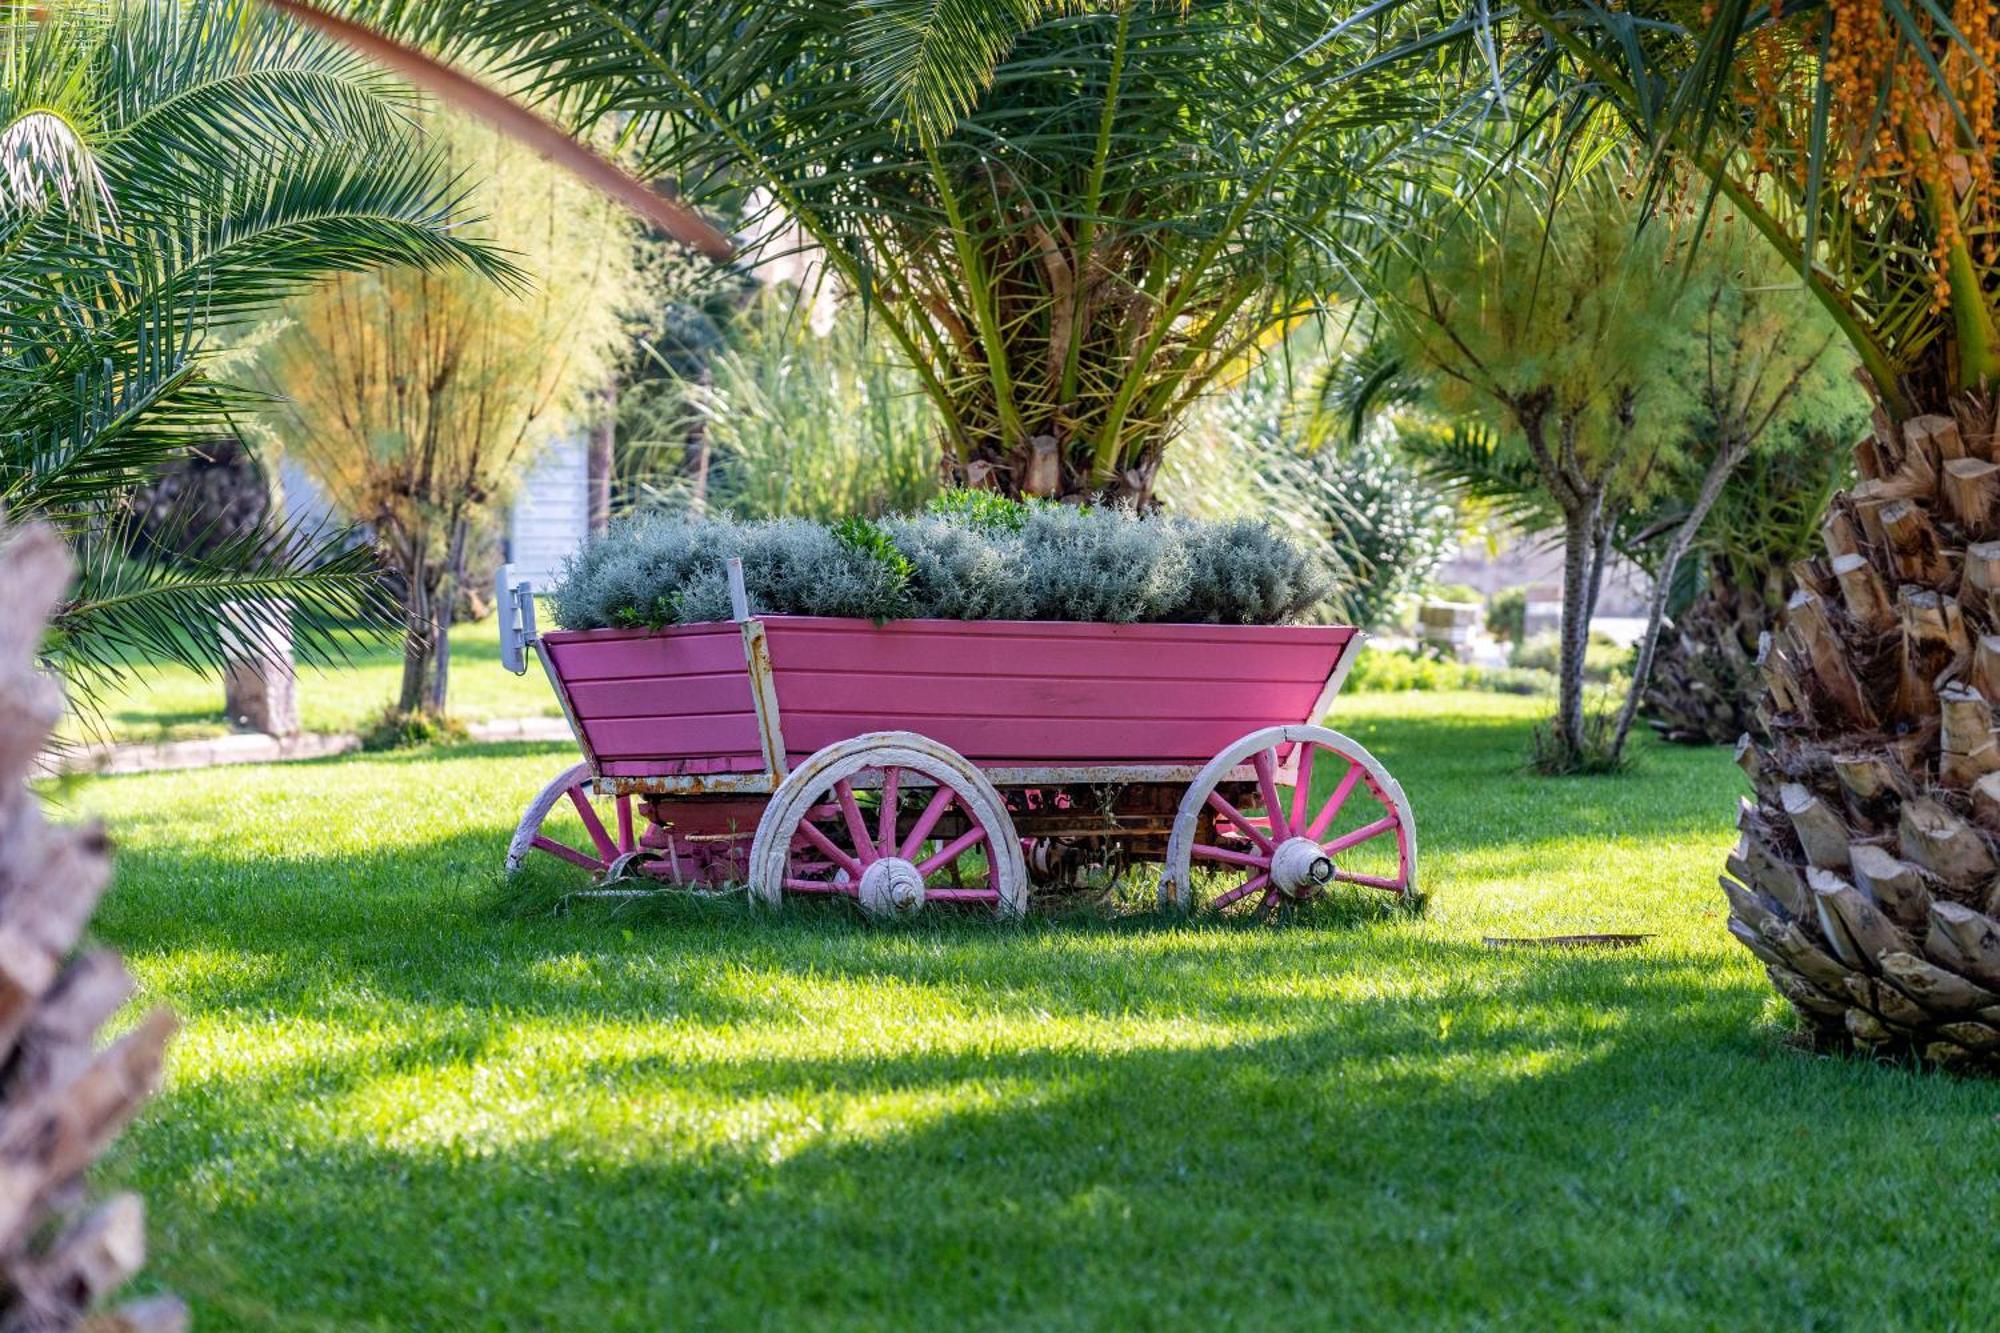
pixel 401 1103
pixel 1511 1148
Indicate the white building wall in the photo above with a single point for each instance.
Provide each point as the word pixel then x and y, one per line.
pixel 551 513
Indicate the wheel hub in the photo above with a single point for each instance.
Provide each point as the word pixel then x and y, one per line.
pixel 891 887
pixel 1300 867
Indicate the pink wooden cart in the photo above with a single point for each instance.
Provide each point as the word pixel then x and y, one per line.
pixel 956 762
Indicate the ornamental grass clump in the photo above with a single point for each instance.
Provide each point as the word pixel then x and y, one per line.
pixel 964 558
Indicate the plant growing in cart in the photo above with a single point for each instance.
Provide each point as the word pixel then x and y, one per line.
pixel 1139 701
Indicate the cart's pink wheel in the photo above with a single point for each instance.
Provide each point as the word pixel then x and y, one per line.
pixel 1283 813
pixel 892 820
pixel 606 840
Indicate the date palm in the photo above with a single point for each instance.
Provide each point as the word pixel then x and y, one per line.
pixel 1863 140
pixel 168 170
pixel 1070 219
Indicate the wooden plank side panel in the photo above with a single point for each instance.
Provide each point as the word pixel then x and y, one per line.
pixel 1028 741
pixel 1020 692
pixel 580 655
pixel 719 736
pixel 1047 651
pixel 679 701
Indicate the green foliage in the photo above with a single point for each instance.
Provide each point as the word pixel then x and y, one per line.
pixel 174 169
pixel 399 729
pixel 871 541
pixel 980 509
pixel 1507 615
pixel 1451 592
pixel 777 421
pixel 1603 657
pixel 1393 671
pixel 1262 451
pixel 1005 184
pixel 1062 563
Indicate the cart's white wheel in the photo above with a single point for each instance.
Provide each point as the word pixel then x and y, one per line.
pixel 893 820
pixel 1280 840
pixel 602 847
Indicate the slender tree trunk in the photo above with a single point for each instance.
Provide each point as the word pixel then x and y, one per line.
pixel 444 605
pixel 419 644
pixel 1724 463
pixel 1577 547
pixel 602 461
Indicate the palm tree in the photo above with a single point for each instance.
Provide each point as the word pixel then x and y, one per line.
pixel 167 171
pixel 1704 684
pixel 1069 220
pixel 1863 143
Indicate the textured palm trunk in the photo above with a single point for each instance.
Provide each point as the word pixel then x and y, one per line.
pixel 1703 687
pixel 1865 880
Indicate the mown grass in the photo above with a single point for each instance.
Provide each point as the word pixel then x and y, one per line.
pixel 402 1101
pixel 172 703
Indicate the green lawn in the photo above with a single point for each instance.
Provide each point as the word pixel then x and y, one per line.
pixel 399 1103
pixel 170 703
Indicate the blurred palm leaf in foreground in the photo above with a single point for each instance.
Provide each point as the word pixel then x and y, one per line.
pixel 170 171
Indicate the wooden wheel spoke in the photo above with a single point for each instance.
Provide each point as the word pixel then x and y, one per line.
pixel 962 895
pixel 829 849
pixel 1369 881
pixel 607 850
pixel 1302 788
pixel 921 830
pixel 1363 834
pixel 567 853
pixel 1243 890
pixel 857 828
pixel 1331 810
pixel 626 842
pixel 1238 819
pixel 1266 764
pixel 951 851
pixel 885 823
pixel 796 885
pixel 1229 857
pixel 1267 906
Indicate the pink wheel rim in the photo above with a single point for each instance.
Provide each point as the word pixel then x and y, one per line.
pixel 1338 816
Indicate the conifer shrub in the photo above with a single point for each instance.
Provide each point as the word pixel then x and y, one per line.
pixel 968 556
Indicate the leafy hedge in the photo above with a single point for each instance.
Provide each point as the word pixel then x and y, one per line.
pixel 968 556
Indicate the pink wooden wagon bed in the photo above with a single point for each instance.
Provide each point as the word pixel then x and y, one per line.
pixel 960 761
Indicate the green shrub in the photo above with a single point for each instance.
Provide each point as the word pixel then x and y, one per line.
pixel 1507 615
pixel 1451 592
pixel 395 729
pixel 1378 526
pixel 793 424
pixel 1393 671
pixel 965 560
pixel 1603 657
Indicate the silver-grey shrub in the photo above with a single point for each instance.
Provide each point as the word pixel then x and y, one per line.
pixel 1057 563
pixel 1245 572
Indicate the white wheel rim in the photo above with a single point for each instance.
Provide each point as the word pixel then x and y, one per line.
pixel 1177 876
pixel 812 783
pixel 538 812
